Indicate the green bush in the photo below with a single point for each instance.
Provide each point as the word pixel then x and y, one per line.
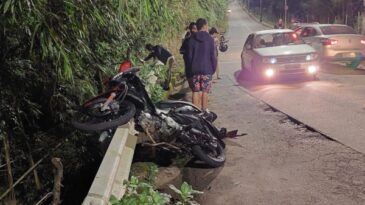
pixel 55 54
pixel 140 193
pixel 143 193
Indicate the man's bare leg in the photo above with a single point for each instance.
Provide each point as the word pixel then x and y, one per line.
pixel 197 99
pixel 204 101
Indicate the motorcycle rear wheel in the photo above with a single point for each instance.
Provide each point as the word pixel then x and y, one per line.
pixel 91 119
pixel 213 160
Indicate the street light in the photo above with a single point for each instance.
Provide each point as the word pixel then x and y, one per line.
pixel 260 10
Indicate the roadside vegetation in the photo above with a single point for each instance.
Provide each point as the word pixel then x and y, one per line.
pixel 324 11
pixel 53 56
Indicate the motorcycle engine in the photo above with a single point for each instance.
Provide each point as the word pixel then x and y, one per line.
pixel 161 129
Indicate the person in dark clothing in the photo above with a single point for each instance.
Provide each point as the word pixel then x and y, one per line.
pixel 191 29
pixel 183 51
pixel 216 37
pixel 158 52
pixel 201 58
pixel 165 57
pixel 279 24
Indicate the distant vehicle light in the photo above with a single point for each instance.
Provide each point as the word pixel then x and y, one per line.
pixel 269 72
pixel 312 69
pixel 229 10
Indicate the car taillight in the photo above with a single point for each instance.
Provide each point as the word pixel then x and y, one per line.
pixel 362 42
pixel 329 42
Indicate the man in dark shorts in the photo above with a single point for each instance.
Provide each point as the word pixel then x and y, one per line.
pixel 203 63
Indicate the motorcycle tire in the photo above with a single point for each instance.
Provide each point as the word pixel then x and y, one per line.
pixel 223 47
pixel 211 161
pixel 97 123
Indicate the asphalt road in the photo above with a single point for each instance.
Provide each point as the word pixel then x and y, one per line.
pixel 333 105
pixel 278 161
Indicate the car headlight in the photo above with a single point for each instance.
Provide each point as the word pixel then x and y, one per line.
pixel 270 60
pixel 311 57
pixel 269 72
pixel 312 69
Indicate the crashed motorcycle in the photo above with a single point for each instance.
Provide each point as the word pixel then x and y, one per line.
pixel 177 126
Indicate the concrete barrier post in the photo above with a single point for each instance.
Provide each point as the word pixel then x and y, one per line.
pixel 114 168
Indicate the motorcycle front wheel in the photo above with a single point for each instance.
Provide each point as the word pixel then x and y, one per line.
pixel 213 158
pixel 91 118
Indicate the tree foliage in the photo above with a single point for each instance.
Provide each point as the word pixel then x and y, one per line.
pixel 324 11
pixel 53 56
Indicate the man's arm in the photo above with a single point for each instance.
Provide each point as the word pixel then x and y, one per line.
pixel 183 47
pixel 151 55
pixel 189 53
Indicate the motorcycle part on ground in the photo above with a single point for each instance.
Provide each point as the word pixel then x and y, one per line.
pixel 214 158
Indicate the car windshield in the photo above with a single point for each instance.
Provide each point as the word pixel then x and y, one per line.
pixel 277 39
pixel 330 30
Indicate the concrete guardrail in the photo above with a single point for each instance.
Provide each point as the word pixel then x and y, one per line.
pixel 114 168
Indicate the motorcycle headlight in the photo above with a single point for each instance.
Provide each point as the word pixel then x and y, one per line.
pixel 270 60
pixel 311 57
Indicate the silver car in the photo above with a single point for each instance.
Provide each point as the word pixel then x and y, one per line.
pixel 333 41
pixel 270 53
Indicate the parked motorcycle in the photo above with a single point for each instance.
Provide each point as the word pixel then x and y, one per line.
pixel 174 125
pixel 223 47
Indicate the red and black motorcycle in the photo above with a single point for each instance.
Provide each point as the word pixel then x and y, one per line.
pixel 175 125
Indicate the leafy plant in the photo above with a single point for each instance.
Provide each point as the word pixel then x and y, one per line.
pixel 143 193
pixel 152 77
pixel 186 193
pixel 140 193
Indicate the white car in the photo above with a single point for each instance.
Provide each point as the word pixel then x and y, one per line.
pixel 271 53
pixel 333 41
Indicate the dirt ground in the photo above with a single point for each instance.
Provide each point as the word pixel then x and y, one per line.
pixel 278 161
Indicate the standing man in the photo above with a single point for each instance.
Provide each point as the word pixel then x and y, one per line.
pixel 279 24
pixel 184 51
pixel 216 37
pixel 202 61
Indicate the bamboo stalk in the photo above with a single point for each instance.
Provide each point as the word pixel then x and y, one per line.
pixel 43 199
pixel 27 173
pixel 4 165
pixel 58 174
pixel 11 198
pixel 35 173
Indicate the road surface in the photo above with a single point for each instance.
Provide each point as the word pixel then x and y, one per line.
pixel 279 161
pixel 334 105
